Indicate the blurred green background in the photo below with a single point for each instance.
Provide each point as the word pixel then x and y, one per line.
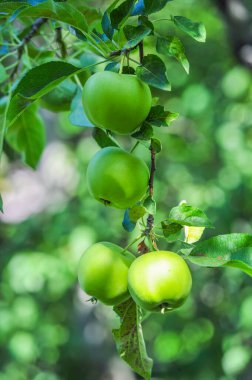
pixel 47 329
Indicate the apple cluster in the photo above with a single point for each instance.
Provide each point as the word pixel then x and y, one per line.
pixel 159 280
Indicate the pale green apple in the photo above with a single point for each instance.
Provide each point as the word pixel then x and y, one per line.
pixel 159 281
pixel 118 102
pixel 103 272
pixel 117 178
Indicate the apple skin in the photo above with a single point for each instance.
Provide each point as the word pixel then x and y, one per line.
pixel 159 281
pixel 103 272
pixel 60 98
pixel 117 178
pixel 118 102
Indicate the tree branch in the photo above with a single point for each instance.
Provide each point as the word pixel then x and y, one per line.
pixel 60 42
pixel 34 29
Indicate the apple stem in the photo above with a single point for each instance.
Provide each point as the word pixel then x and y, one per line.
pixel 121 64
pixel 133 242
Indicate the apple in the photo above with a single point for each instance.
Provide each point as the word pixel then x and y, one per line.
pixel 159 281
pixel 60 98
pixel 118 102
pixel 103 272
pixel 117 178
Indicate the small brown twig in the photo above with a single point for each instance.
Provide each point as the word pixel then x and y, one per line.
pixel 34 29
pixel 60 42
pixel 141 51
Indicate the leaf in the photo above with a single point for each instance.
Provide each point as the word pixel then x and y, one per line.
pixel 106 26
pixel 171 231
pixel 153 72
pixel 60 11
pixel 193 234
pixel 36 83
pixel 144 133
pixel 158 117
pixel 3 110
pixel 106 22
pixel 129 339
pixel 136 212
pixel 186 215
pixel 135 34
pixel 195 30
pixel 1 203
pixel 150 205
pixel 173 47
pixel 113 66
pixel 153 6
pixel 156 145
pixel 119 15
pixel 128 224
pixel 77 115
pixel 103 139
pixel 3 74
pixel 234 250
pixel 27 136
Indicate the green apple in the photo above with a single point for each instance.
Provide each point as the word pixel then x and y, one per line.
pixel 159 281
pixel 118 102
pixel 117 178
pixel 60 98
pixel 103 272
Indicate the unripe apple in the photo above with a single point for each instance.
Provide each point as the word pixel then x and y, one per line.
pixel 117 178
pixel 159 281
pixel 103 272
pixel 118 102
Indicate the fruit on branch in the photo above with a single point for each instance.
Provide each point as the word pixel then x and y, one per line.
pixel 103 272
pixel 60 98
pixel 117 178
pixel 159 281
pixel 118 102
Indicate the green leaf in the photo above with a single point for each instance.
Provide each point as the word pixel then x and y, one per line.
pixel 171 231
pixel 156 145
pixel 135 34
pixel 153 72
pixel 234 250
pixel 144 133
pixel 173 47
pixel 61 11
pixel 152 6
pixel 3 111
pixel 3 74
pixel 136 212
pixel 129 339
pixel 77 115
pixel 36 83
pixel 195 30
pixel 193 234
pixel 119 15
pixel 158 117
pixel 189 216
pixel 1 203
pixel 27 136
pixel 106 22
pixel 128 224
pixel 150 205
pixel 103 139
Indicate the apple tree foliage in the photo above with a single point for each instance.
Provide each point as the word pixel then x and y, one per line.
pixel 114 37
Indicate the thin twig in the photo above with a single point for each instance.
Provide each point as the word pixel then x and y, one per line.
pixel 60 42
pixel 141 51
pixel 34 29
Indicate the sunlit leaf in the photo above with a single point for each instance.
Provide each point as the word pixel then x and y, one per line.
pixel 195 30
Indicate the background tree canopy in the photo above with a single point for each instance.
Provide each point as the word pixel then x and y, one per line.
pixel 47 329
